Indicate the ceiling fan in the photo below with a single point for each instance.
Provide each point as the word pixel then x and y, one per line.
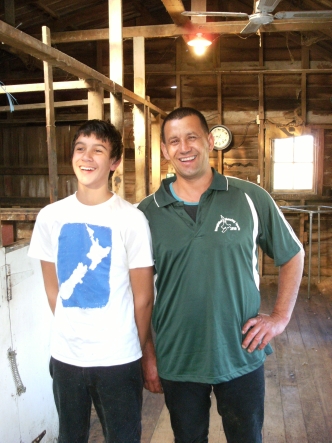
pixel 262 15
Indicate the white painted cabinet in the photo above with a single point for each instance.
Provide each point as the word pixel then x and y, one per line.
pixel 26 399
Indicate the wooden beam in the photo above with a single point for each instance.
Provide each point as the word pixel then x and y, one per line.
pixel 141 172
pixel 160 31
pixel 116 74
pixel 36 48
pixel 198 5
pixel 174 8
pixel 95 102
pixel 34 87
pixel 50 123
pixel 155 152
pixel 305 64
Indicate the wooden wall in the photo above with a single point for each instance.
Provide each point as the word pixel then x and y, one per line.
pixel 247 84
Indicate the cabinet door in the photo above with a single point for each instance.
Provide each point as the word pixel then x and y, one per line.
pixel 9 418
pixel 30 323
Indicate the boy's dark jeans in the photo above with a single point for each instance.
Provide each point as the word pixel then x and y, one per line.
pixel 240 403
pixel 116 392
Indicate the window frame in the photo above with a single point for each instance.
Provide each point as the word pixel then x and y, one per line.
pixel 272 132
pixel 312 191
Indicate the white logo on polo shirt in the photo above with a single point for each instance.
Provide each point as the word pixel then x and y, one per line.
pixel 226 224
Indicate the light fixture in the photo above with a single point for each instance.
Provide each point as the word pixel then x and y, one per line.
pixel 199 44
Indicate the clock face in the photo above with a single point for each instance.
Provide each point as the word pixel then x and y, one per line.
pixel 222 136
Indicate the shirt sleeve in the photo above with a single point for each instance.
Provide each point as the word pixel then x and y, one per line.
pixel 138 241
pixel 276 237
pixel 41 241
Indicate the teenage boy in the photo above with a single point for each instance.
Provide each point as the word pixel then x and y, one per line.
pixel 95 252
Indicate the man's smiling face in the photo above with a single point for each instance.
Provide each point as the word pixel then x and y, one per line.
pixel 187 147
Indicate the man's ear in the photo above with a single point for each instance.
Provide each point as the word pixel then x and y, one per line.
pixel 211 142
pixel 115 164
pixel 165 153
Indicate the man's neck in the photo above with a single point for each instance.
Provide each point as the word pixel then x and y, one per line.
pixel 191 190
pixel 93 197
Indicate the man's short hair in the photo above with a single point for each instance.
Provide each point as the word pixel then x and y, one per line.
pixel 103 130
pixel 178 114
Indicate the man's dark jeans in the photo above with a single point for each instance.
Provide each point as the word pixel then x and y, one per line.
pixel 116 392
pixel 240 403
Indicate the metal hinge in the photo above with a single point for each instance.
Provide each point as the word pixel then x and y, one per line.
pixel 20 388
pixel 9 283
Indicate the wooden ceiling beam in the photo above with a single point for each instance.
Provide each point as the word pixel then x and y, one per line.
pixel 24 42
pixel 160 31
pixel 174 8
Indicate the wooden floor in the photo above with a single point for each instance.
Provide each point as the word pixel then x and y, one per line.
pixel 298 406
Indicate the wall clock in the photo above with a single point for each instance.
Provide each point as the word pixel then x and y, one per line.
pixel 222 137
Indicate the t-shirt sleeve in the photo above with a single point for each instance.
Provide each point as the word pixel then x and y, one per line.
pixel 276 237
pixel 41 241
pixel 138 241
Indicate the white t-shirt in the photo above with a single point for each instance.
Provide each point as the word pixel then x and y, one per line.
pixel 93 248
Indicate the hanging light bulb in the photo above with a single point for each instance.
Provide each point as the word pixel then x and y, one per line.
pixel 199 44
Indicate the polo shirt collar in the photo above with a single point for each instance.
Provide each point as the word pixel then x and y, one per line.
pixel 163 198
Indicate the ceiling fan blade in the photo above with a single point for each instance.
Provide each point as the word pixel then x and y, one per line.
pixel 303 14
pixel 266 5
pixel 250 28
pixel 215 14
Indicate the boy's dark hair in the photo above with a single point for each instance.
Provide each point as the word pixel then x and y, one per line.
pixel 178 114
pixel 103 130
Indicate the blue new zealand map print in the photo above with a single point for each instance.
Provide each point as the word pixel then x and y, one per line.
pixel 84 263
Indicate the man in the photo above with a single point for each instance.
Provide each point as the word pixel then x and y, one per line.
pixel 95 252
pixel 206 229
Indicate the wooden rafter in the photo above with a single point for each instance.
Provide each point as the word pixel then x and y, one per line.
pixel 18 39
pixel 174 8
pixel 160 31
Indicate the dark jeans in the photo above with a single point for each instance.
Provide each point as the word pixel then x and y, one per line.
pixel 240 403
pixel 116 392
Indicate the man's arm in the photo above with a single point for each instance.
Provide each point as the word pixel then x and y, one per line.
pixel 142 285
pixel 50 282
pixel 264 327
pixel 149 365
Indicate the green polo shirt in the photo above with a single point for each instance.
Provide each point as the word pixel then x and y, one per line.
pixel 207 276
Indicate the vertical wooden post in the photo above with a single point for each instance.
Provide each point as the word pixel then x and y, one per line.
pixel 178 48
pixel 95 101
pixel 220 121
pixel 50 122
pixel 261 139
pixel 116 74
pixel 155 152
pixel 304 65
pixel 139 120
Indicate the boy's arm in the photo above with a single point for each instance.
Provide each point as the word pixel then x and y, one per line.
pixel 142 285
pixel 50 282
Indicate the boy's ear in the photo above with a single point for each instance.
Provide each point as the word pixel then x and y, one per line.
pixel 115 164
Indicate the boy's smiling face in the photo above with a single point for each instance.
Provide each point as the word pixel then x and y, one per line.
pixel 92 161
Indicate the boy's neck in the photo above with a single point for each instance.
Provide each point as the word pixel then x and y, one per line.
pixel 93 197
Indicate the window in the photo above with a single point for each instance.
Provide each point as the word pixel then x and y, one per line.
pixel 293 164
